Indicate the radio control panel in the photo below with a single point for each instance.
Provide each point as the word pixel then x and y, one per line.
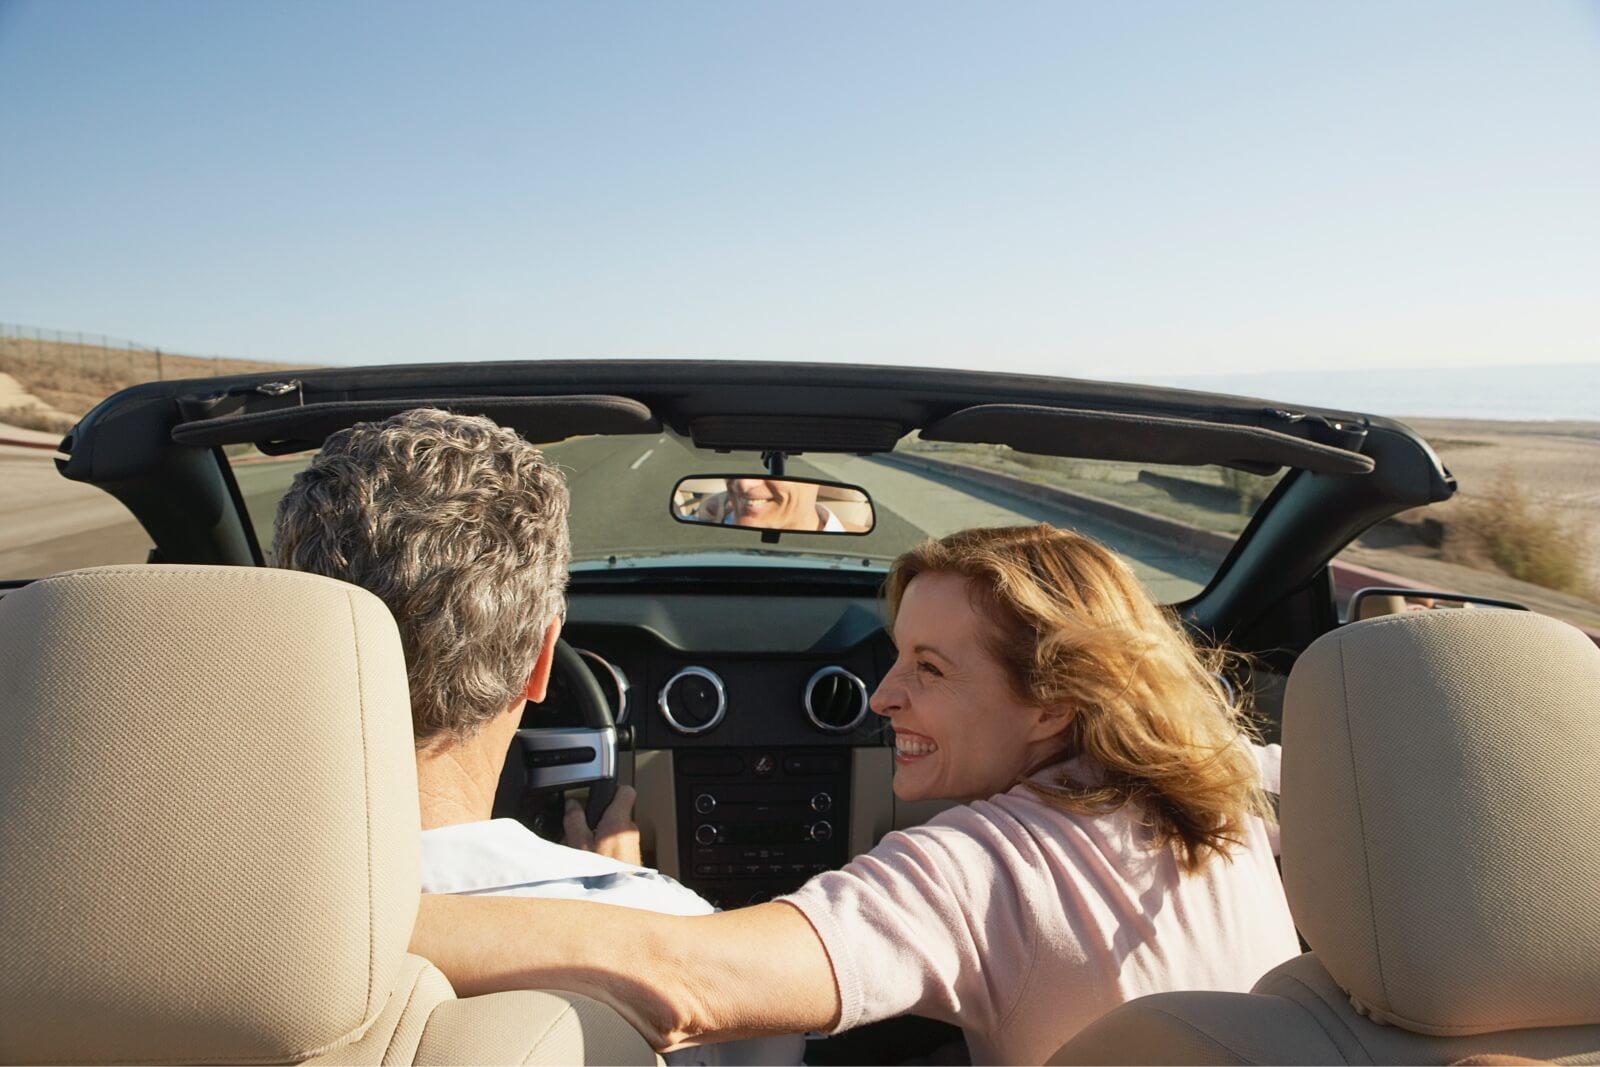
pixel 756 823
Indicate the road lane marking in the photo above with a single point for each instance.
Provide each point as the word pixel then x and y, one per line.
pixel 647 454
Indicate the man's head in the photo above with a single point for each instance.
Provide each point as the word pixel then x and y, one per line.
pixel 460 527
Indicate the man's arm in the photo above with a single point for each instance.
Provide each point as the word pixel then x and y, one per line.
pixel 679 980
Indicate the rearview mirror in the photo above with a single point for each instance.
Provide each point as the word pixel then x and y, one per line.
pixel 798 505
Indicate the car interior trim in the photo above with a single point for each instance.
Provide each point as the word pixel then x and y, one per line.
pixel 654 776
pixel 819 433
pixel 540 419
pixel 872 807
pixel 1151 438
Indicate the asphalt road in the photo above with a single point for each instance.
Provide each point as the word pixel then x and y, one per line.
pixel 48 524
pixel 620 487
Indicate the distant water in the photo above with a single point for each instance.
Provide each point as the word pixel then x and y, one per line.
pixel 1549 392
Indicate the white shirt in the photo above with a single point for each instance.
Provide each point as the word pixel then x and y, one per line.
pixel 830 521
pixel 501 857
pixel 504 858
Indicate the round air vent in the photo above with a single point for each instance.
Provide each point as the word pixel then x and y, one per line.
pixel 836 700
pixel 693 700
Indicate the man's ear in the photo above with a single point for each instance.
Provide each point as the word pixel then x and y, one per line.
pixel 539 678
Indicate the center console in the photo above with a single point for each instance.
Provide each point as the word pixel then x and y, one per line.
pixel 754 823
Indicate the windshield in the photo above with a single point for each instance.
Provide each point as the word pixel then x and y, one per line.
pixel 1174 525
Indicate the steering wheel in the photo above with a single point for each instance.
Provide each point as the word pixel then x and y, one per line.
pixel 544 759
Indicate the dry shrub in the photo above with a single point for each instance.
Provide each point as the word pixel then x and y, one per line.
pixel 37 418
pixel 1527 541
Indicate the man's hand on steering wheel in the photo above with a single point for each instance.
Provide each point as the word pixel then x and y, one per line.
pixel 616 836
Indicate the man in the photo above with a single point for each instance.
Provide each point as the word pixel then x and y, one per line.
pixel 769 504
pixel 460 527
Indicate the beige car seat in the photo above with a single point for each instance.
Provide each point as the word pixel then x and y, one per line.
pixel 1441 855
pixel 209 835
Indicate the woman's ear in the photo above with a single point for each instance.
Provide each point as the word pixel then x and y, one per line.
pixel 1049 722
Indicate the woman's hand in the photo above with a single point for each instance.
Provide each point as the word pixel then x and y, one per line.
pixel 617 836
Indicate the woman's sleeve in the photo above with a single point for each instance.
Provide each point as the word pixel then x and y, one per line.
pixel 930 922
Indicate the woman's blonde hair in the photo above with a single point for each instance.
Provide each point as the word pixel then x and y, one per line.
pixel 1074 629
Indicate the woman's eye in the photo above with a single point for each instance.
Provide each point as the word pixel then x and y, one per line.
pixel 924 667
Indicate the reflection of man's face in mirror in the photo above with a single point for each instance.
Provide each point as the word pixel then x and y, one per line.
pixel 773 504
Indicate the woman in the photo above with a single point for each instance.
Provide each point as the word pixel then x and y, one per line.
pixel 1112 842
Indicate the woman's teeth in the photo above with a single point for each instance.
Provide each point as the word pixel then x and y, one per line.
pixel 913 747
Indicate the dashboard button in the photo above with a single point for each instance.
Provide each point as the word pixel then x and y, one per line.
pixel 821 830
pixel 710 765
pixel 814 763
pixel 706 834
pixel 705 804
pixel 821 802
pixel 765 764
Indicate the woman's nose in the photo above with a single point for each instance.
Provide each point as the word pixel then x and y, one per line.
pixel 886 698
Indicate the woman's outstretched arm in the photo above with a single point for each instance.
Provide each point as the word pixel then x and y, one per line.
pixel 679 980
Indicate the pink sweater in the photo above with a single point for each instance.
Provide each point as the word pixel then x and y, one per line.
pixel 1022 923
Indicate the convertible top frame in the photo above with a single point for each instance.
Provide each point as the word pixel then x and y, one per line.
pixel 156 446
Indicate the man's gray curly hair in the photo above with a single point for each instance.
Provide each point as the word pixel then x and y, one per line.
pixel 460 527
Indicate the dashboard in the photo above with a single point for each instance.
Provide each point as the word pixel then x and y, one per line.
pixel 743 717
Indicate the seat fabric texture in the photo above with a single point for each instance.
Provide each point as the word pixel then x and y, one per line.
pixel 1439 855
pixel 209 834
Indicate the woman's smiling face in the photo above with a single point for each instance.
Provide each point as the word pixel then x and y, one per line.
pixel 960 731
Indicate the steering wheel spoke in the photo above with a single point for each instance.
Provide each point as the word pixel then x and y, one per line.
pixel 566 757
pixel 546 759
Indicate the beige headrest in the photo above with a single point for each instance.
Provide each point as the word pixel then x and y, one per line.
pixel 208 815
pixel 1441 818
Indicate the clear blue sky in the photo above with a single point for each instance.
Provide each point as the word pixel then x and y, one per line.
pixel 1111 189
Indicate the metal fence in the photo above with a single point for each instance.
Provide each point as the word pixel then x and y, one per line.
pixel 102 357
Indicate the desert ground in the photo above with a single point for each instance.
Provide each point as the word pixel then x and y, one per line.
pixel 1555 466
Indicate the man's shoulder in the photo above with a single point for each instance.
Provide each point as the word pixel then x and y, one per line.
pixel 503 857
pixel 477 856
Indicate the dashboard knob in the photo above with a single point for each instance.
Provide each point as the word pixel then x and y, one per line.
pixel 822 802
pixel 705 803
pixel 705 834
pixel 821 830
